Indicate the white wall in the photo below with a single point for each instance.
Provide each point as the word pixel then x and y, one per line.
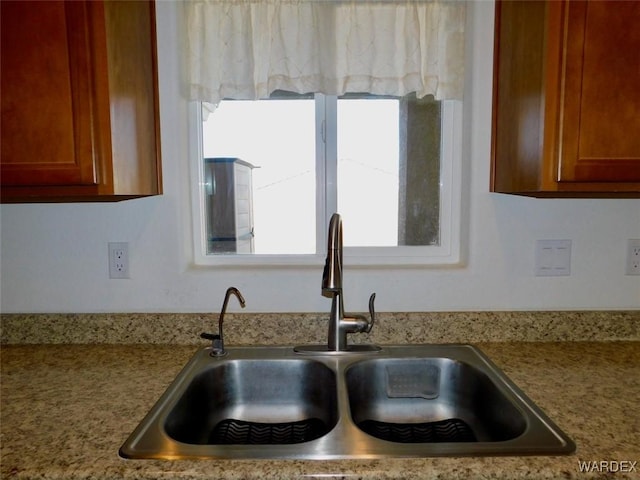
pixel 54 257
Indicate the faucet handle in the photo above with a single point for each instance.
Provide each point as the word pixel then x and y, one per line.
pixel 372 312
pixel 217 347
pixel 209 336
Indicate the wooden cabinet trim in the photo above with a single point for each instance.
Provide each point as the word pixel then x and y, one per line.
pixel 42 166
pixel 600 86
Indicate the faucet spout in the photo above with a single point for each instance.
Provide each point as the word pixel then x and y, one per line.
pixel 218 339
pixel 332 274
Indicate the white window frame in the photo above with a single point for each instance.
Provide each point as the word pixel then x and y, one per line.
pixel 447 253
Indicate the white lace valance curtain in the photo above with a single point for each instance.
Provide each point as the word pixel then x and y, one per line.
pixel 246 49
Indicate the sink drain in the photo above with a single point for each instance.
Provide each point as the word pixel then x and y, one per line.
pixel 240 432
pixel 450 430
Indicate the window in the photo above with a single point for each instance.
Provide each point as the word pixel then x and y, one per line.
pixel 271 172
pixel 387 163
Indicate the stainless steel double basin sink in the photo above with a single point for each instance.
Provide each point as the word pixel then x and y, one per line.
pixel 398 401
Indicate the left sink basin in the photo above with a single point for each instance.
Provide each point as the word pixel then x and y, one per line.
pixel 254 402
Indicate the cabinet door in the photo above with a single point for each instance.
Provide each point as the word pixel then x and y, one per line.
pixel 47 116
pixel 601 101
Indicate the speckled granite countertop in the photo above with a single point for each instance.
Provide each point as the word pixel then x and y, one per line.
pixel 66 409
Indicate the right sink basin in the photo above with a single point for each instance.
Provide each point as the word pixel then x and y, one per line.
pixel 430 400
pixel 446 400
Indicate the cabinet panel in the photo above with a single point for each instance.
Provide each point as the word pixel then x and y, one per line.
pixel 46 115
pixel 566 99
pixel 601 137
pixel 79 101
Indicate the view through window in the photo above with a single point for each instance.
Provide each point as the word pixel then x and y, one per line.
pixel 277 138
pixel 261 164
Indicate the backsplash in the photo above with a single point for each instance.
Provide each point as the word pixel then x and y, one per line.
pixel 307 328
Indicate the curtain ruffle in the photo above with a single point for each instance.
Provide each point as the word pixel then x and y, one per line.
pixel 246 49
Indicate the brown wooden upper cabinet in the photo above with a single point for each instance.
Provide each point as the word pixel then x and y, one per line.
pixel 79 101
pixel 566 101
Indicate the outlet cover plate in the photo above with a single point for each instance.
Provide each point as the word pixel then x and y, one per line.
pixel 553 258
pixel 633 256
pixel 118 260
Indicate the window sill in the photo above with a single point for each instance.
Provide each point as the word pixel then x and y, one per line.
pixel 438 257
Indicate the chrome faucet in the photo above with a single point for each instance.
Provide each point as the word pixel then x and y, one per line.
pixel 218 339
pixel 339 324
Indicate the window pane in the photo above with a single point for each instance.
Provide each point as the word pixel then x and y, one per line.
pixel 420 157
pixel 277 139
pixel 388 154
pixel 368 171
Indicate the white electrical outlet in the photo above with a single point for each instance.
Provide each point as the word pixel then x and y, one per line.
pixel 118 260
pixel 633 256
pixel 553 258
